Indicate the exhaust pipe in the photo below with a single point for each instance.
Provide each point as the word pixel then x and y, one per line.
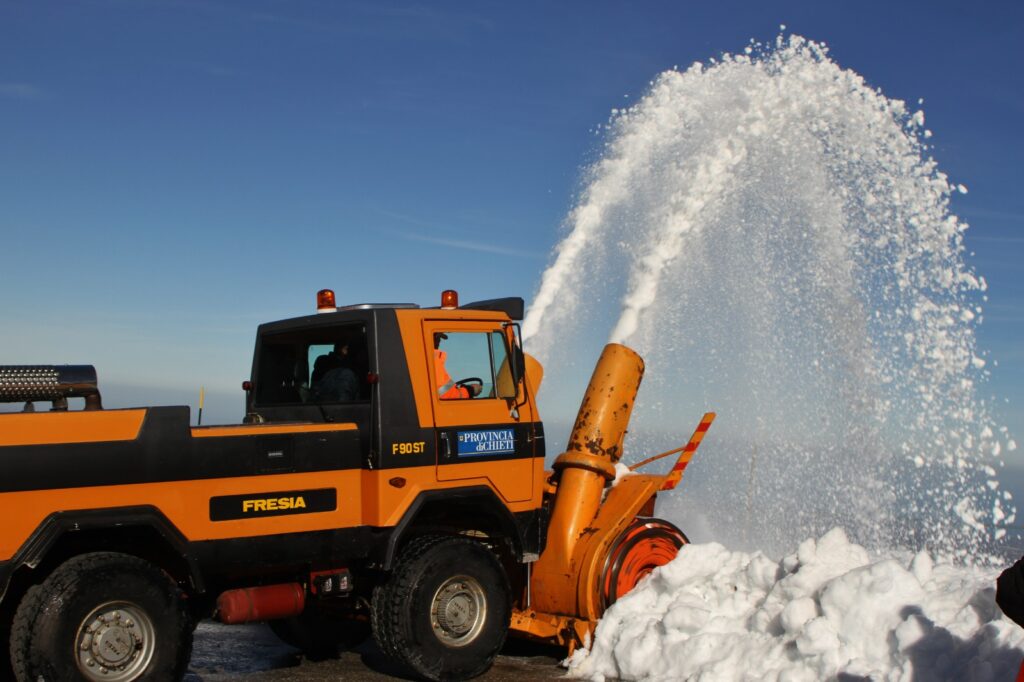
pixel 53 383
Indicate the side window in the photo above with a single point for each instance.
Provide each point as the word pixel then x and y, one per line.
pixel 324 365
pixel 467 364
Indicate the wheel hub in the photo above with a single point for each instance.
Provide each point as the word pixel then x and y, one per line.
pixel 115 642
pixel 458 611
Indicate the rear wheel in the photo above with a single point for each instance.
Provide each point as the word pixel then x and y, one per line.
pixel 445 610
pixel 102 616
pixel 21 633
pixel 644 545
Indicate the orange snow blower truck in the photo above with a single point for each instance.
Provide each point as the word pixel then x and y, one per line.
pixel 388 478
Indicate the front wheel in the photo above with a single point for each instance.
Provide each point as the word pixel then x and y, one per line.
pixel 103 616
pixel 445 610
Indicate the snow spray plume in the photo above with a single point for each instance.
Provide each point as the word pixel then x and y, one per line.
pixel 770 233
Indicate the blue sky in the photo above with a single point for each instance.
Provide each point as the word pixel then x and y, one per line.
pixel 174 172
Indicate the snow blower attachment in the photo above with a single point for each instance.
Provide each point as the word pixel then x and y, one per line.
pixel 601 538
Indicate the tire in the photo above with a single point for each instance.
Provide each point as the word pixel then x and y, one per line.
pixel 444 612
pixel 380 621
pixel 119 612
pixel 382 604
pixel 21 632
pixel 320 635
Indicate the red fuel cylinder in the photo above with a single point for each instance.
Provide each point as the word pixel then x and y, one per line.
pixel 261 603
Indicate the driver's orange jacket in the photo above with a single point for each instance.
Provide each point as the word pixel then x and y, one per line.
pixel 446 388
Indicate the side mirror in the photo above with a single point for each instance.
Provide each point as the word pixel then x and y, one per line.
pixel 518 359
pixel 518 364
pixel 513 370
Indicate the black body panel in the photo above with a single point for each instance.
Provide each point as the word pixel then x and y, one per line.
pixel 527 530
pixel 391 408
pixel 398 421
pixel 241 561
pixel 6 569
pixel 165 451
pixel 245 561
pixel 513 306
pixel 215 565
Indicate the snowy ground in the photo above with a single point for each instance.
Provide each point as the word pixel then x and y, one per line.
pixel 828 611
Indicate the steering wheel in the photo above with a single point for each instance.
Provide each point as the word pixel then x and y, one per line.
pixel 471 381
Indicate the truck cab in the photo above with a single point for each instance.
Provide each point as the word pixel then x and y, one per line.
pixel 380 367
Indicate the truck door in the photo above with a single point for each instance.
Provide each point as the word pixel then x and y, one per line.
pixel 482 431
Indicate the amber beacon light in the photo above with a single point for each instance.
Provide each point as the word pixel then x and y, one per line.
pixel 449 299
pixel 325 301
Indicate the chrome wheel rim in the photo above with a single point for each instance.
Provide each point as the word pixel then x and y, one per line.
pixel 458 611
pixel 115 642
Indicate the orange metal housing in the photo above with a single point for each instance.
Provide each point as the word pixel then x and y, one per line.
pixel 560 578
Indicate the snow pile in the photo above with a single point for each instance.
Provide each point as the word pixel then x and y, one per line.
pixel 771 234
pixel 827 610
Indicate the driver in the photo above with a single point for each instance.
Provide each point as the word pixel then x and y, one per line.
pixel 446 387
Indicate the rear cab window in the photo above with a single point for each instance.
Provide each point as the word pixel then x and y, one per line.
pixel 315 366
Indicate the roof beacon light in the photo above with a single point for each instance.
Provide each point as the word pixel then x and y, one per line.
pixel 449 299
pixel 325 301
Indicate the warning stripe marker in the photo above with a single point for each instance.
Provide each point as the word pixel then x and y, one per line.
pixel 676 474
